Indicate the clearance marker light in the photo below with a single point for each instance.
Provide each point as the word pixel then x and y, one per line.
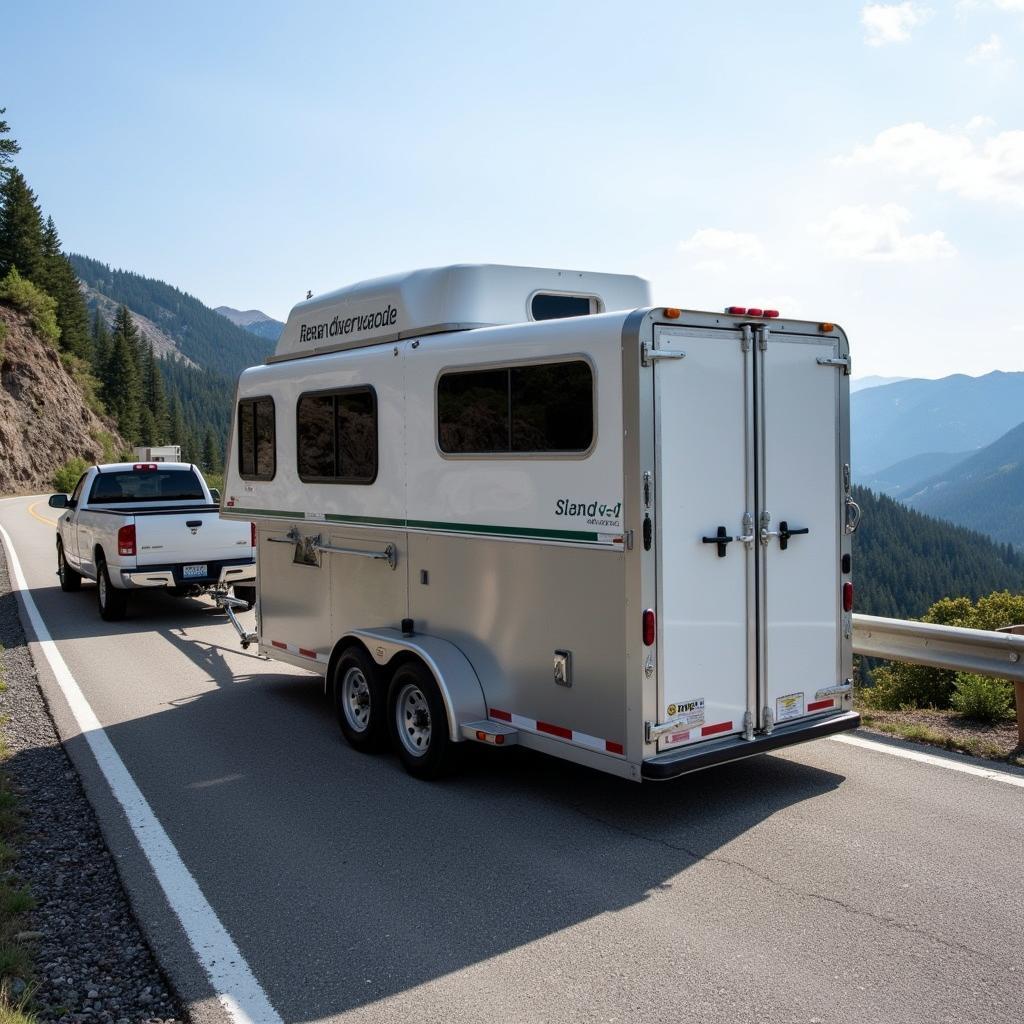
pixel 847 596
pixel 826 328
pixel 142 466
pixel 771 313
pixel 755 312
pixel 649 627
pixel 671 313
pixel 736 310
pixel 252 535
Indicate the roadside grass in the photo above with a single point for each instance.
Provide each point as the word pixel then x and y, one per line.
pixel 949 730
pixel 15 902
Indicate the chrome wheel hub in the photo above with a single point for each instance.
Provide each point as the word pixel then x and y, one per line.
pixel 355 699
pixel 412 716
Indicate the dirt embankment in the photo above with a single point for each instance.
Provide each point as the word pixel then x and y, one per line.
pixel 44 420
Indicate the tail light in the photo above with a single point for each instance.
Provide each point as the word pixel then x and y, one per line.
pixel 649 627
pixel 126 540
pixel 847 596
pixel 252 534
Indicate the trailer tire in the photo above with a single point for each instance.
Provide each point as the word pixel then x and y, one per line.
pixel 246 594
pixel 419 722
pixel 70 580
pixel 113 603
pixel 360 700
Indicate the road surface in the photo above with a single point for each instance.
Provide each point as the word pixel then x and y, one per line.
pixel 830 883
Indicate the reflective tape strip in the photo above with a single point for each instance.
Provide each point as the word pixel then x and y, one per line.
pixel 581 739
pixel 711 730
pixel 817 705
pixel 300 652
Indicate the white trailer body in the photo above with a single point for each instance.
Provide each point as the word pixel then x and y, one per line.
pixel 619 536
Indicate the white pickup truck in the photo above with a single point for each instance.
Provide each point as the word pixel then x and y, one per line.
pixel 150 524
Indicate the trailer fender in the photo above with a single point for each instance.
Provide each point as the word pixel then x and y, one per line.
pixel 456 679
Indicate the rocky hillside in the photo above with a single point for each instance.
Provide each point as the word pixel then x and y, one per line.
pixel 44 420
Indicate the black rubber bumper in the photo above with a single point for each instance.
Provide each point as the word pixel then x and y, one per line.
pixel 706 755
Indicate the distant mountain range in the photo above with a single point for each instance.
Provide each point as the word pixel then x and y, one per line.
pixel 255 321
pixel 872 381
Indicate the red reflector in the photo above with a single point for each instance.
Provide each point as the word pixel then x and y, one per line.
pixel 736 310
pixel 306 652
pixel 711 730
pixel 499 739
pixel 252 534
pixel 504 716
pixel 817 705
pixel 139 466
pixel 754 312
pixel 847 597
pixel 555 730
pixel 771 312
pixel 613 748
pixel 649 627
pixel 126 540
pixel 278 644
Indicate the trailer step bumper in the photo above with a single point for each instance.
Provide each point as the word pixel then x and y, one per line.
pixel 490 732
pixel 705 755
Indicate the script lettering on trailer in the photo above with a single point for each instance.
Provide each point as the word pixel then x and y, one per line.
pixel 340 326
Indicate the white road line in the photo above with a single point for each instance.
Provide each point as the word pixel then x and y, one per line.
pixel 992 774
pixel 234 984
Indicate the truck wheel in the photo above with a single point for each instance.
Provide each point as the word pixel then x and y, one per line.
pixel 246 594
pixel 113 602
pixel 419 723
pixel 69 579
pixel 360 700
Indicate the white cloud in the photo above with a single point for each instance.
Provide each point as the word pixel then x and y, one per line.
pixel 874 234
pixel 715 248
pixel 892 23
pixel 987 169
pixel 990 50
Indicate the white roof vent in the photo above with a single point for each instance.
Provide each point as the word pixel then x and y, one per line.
pixel 450 299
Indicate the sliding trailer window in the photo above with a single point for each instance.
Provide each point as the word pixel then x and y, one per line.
pixel 539 409
pixel 336 436
pixel 257 439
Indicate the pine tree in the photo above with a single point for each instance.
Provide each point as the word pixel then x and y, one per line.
pixel 57 278
pixel 101 343
pixel 21 228
pixel 212 457
pixel 8 147
pixel 148 431
pixel 122 386
pixel 155 396
pixel 177 429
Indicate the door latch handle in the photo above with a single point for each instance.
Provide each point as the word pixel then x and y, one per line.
pixel 721 539
pixel 783 533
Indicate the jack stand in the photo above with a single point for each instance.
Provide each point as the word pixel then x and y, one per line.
pixel 229 604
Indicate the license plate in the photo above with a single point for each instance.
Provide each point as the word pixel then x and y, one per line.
pixel 191 571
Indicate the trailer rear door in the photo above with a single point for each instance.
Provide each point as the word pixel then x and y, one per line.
pixel 746 522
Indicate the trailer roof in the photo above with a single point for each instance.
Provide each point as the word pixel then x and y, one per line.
pixel 452 298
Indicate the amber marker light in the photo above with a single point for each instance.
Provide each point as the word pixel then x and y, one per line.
pixel 826 328
pixel 671 313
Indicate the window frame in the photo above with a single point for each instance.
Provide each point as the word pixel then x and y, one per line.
pixel 238 427
pixel 332 392
pixel 515 364
pixel 596 304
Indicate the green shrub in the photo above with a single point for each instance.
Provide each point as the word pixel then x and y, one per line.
pixel 982 698
pixel 82 374
pixel 67 476
pixel 106 441
pixel 900 685
pixel 41 309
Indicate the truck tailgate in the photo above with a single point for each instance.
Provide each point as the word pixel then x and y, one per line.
pixel 179 537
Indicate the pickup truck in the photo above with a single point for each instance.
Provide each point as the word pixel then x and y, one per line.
pixel 150 524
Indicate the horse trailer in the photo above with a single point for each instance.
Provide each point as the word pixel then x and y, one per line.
pixel 512 505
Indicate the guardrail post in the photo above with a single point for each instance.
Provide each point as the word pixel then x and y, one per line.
pixel 1018 688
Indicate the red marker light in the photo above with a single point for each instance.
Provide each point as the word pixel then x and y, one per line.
pixel 252 534
pixel 736 310
pixel 754 312
pixel 649 627
pixel 847 597
pixel 771 313
pixel 140 467
pixel 126 540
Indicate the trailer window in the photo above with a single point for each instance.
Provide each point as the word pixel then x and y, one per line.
pixel 257 443
pixel 546 408
pixel 337 436
pixel 552 306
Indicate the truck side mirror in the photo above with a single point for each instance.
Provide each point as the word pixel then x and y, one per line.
pixel 58 501
pixel 215 494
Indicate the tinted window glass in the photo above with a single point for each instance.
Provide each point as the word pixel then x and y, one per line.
pixel 257 444
pixel 136 485
pixel 76 494
pixel 556 307
pixel 337 436
pixel 544 408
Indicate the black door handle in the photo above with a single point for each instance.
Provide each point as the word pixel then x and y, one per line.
pixel 721 539
pixel 785 533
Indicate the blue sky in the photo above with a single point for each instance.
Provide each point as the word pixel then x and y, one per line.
pixel 862 163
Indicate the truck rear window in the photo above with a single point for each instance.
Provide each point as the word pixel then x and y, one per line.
pixel 136 485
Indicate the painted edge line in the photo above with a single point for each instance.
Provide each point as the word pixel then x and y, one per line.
pixel 992 774
pixel 234 984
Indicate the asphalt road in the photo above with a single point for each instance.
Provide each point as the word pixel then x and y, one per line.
pixel 829 884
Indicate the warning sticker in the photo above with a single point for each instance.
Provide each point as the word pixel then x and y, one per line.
pixel 791 706
pixel 689 715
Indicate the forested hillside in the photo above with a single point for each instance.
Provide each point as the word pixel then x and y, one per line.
pixel 904 561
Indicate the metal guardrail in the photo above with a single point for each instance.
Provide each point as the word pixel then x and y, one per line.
pixel 954 647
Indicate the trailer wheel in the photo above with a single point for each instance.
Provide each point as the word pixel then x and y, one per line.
pixel 69 579
pixel 419 723
pixel 360 700
pixel 113 603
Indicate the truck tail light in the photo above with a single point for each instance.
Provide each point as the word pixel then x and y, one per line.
pixel 847 596
pixel 126 540
pixel 143 467
pixel 252 534
pixel 649 627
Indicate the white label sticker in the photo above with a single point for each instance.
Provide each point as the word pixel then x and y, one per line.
pixel 791 706
pixel 688 715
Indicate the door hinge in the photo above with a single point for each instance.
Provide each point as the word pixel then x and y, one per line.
pixel 649 354
pixel 842 361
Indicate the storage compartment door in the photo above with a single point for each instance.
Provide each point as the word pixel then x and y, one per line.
pixel 701 481
pixel 799 526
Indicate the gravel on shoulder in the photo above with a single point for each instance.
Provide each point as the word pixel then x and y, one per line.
pixel 93 965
